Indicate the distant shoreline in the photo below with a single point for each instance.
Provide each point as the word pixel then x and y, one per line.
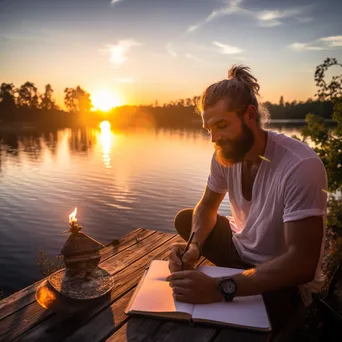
pixel 8 127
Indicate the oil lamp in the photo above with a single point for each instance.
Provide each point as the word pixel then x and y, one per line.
pixel 82 278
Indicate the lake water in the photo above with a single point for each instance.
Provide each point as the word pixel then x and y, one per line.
pixel 118 181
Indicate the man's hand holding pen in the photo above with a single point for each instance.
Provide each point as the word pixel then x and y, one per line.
pixel 183 256
pixel 185 281
pixel 178 261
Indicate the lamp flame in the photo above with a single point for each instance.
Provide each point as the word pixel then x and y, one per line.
pixel 72 217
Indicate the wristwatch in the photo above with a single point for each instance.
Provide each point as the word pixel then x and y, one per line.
pixel 228 288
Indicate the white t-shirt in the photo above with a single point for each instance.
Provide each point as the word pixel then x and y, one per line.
pixel 286 188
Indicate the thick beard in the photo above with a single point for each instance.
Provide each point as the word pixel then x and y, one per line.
pixel 230 152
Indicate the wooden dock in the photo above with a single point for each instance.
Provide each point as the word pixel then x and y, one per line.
pixel 22 318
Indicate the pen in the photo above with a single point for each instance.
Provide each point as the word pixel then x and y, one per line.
pixel 187 247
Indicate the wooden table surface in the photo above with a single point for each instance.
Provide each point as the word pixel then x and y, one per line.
pixel 22 318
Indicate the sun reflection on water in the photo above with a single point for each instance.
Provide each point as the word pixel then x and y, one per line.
pixel 107 139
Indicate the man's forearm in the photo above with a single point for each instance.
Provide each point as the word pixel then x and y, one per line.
pixel 285 270
pixel 203 222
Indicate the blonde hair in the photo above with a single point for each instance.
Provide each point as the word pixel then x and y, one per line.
pixel 240 90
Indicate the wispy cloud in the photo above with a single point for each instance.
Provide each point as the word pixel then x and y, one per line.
pixel 305 47
pixel 114 1
pixel 119 51
pixel 170 49
pixel 272 18
pixel 194 58
pixel 266 18
pixel 325 43
pixel 269 15
pixel 193 28
pixel 227 49
pixel 332 41
pixel 233 6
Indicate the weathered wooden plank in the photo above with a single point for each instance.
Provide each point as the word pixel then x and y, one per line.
pixel 49 327
pixel 236 335
pixel 131 254
pixel 126 241
pixel 120 335
pixel 100 326
pixel 151 330
pixel 26 296
pixel 125 334
pixel 140 323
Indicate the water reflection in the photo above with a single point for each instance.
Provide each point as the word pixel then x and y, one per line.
pixel 106 138
pixel 40 146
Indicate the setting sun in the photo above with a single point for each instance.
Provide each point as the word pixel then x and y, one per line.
pixel 104 100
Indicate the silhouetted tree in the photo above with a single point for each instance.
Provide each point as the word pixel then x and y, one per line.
pixel 281 101
pixel 47 101
pixel 188 102
pixel 7 97
pixel 28 95
pixel 180 103
pixel 69 100
pixel 333 90
pixel 77 100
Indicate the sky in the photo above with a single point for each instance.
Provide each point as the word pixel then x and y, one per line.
pixel 140 51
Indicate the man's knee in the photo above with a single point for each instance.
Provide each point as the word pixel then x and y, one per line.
pixel 183 221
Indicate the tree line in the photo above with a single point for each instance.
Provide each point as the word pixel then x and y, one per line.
pixel 27 96
pixel 27 104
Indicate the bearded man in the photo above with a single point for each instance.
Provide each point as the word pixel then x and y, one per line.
pixel 276 187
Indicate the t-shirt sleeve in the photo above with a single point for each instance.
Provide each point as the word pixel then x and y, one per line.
pixel 305 190
pixel 217 180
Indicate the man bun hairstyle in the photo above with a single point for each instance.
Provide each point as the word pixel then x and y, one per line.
pixel 242 75
pixel 240 90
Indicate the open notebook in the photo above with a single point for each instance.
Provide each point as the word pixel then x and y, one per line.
pixel 153 297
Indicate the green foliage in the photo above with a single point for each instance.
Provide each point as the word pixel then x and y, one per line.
pixel 48 266
pixel 328 145
pixel 328 91
pixel 333 255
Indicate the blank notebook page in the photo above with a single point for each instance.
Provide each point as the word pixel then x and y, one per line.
pixel 155 294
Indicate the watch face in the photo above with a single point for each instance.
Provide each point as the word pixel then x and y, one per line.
pixel 228 286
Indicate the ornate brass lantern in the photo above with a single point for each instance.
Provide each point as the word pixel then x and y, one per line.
pixel 82 278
